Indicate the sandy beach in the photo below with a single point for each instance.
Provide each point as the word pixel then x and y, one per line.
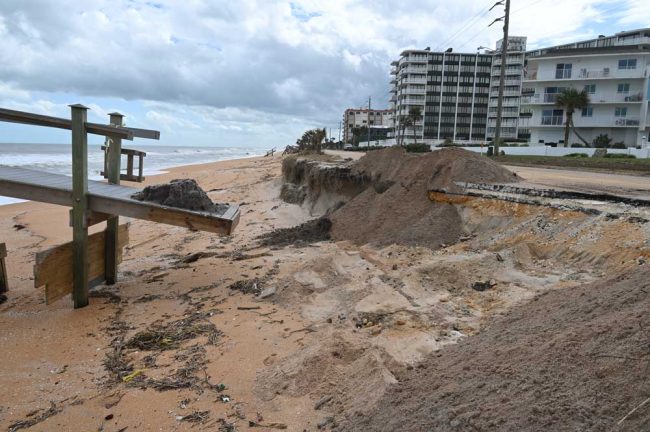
pixel 281 337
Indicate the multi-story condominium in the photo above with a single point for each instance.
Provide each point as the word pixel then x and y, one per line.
pixel 451 90
pixel 359 117
pixel 614 72
pixel 514 74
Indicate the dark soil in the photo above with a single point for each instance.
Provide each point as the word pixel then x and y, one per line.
pixel 180 193
pixel 312 231
pixel 570 360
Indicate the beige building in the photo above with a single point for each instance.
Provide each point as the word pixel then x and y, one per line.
pixel 354 118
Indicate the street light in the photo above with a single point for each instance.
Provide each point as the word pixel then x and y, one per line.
pixel 485 48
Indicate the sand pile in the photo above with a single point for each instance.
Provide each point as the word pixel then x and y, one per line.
pixel 343 374
pixel 397 209
pixel 573 359
pixel 180 193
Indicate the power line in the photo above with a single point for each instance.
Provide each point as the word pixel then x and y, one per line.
pixel 464 27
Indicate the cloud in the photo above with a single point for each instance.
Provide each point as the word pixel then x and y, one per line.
pixel 285 62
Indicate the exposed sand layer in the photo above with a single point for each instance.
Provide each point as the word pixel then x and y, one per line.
pixel 213 333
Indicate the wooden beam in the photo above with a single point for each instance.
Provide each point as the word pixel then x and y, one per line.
pixel 92 217
pixel 79 205
pixel 109 199
pixel 113 168
pixel 53 267
pixel 4 278
pixel 13 116
pixel 195 220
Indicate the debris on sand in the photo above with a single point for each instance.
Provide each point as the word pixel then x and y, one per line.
pixel 312 231
pixel 34 419
pixel 180 193
pixel 195 417
pixel 248 286
pixel 160 337
pixel 482 286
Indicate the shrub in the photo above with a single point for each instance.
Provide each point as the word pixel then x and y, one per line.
pixel 448 142
pixel 619 145
pixel 418 148
pixel 577 155
pixel 619 156
pixel 602 141
pixel 577 145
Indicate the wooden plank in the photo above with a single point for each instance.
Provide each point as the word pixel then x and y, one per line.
pixel 4 278
pixel 53 267
pixel 115 199
pixel 114 161
pixel 79 205
pixel 193 220
pixel 144 133
pixel 13 116
pixel 128 151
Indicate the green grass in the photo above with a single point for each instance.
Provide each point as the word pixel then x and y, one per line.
pixel 615 164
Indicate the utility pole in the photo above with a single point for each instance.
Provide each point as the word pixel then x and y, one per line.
pixel 504 56
pixel 339 130
pixel 369 101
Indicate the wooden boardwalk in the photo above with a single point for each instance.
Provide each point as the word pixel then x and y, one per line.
pixel 109 199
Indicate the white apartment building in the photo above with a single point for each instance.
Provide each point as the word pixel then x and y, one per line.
pixel 359 117
pixel 613 70
pixel 450 89
pixel 514 75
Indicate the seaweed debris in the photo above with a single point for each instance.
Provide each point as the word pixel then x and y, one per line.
pixel 161 337
pixel 34 419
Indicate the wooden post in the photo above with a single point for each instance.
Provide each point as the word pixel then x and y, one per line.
pixel 79 115
pixel 4 279
pixel 113 173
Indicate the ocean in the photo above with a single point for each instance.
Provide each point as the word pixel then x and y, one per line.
pixel 57 158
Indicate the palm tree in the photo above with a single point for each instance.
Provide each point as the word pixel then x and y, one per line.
pixel 318 138
pixel 405 122
pixel 415 114
pixel 571 100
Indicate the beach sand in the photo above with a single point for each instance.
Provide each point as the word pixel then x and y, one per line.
pixel 55 353
pixel 336 324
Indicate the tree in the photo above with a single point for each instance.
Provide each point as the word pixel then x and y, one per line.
pixel 415 114
pixel 571 100
pixel 405 122
pixel 312 140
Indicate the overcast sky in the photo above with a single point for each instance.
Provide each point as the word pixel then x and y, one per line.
pixel 246 72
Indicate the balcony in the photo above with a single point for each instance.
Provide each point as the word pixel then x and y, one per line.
pixel 605 98
pixel 411 80
pixel 552 121
pixel 584 74
pixel 412 101
pixel 547 98
pixel 505 93
pixel 413 69
pixel 508 82
pixel 506 102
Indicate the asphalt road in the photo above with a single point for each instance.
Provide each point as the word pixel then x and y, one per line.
pixel 586 181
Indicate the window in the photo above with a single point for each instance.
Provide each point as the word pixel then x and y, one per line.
pixel 552 117
pixel 627 64
pixel 590 88
pixel 588 112
pixel 623 88
pixel 563 70
pixel 620 112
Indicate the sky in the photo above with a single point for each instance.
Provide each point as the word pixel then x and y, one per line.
pixel 248 72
